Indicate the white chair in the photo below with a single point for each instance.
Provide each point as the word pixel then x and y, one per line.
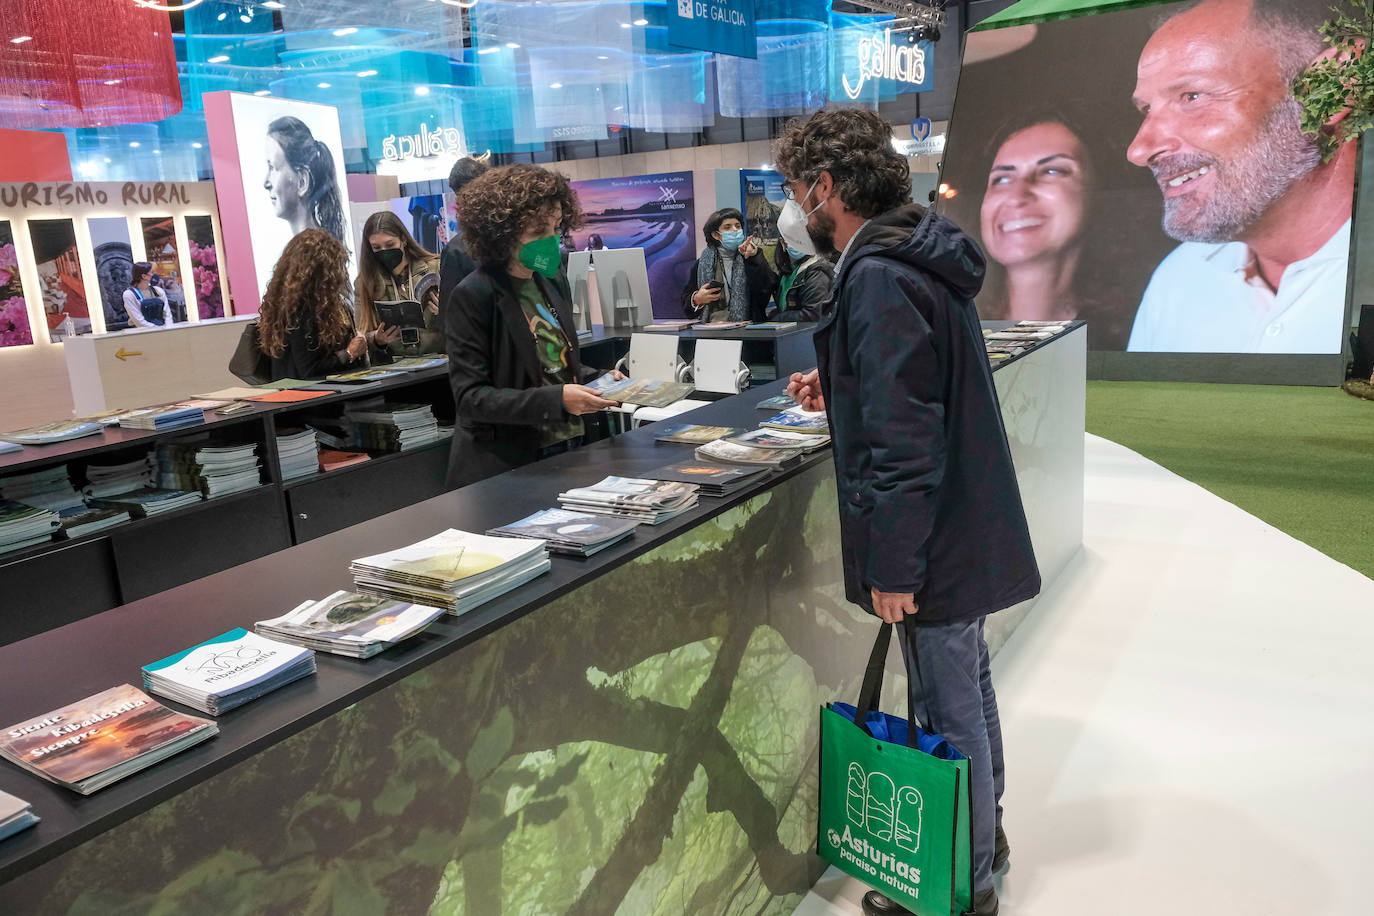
pixel 717 367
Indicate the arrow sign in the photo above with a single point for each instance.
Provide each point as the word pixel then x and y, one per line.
pixel 124 354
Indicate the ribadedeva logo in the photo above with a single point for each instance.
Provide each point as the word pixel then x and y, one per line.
pixel 875 805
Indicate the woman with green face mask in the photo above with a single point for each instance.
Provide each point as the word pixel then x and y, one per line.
pixel 508 327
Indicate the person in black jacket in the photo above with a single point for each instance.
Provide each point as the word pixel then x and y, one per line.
pixel 803 284
pixel 508 328
pixel 731 281
pixel 454 261
pixel 933 532
pixel 304 325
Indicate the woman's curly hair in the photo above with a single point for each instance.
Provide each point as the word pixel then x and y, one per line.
pixel 855 147
pixel 497 207
pixel 312 273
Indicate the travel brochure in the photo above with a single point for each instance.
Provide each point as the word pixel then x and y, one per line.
pixel 644 499
pixel 712 479
pixel 91 743
pixel 225 672
pixel 690 434
pixel 577 534
pixel 349 623
pixel 780 438
pixel 732 453
pixel 640 392
pixel 798 420
pixel 61 431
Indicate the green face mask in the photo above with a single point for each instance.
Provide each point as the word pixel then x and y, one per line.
pixel 542 256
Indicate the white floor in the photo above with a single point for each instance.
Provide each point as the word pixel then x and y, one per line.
pixel 1188 715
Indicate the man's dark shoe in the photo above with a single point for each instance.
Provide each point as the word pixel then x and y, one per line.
pixel 985 902
pixel 875 904
pixel 1001 852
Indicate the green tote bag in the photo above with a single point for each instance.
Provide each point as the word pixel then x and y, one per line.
pixel 894 809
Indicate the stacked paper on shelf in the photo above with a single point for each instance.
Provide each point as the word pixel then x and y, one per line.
pixel 22 525
pixel 15 815
pixel 215 469
pixel 640 391
pixel 454 570
pixel 577 534
pixel 690 434
pixel 109 479
pixel 50 488
pixel 712 479
pixel 298 452
pixel 227 671
pixel 147 501
pixel 96 741
pixel 801 421
pixel 734 453
pixel 643 499
pixel 347 623
pixel 79 521
pixel 61 431
pixel 780 438
pixel 160 418
pixel 382 427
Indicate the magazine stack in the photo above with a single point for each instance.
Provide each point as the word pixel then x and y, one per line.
pixel 643 499
pixel 692 434
pixel 22 525
pixel 711 479
pixel 15 815
pixel 111 479
pixel 798 420
pixel 781 438
pixel 147 501
pixel 382 427
pixel 728 452
pixel 347 623
pixel 454 570
pixel 574 534
pixel 213 469
pixel 50 488
pixel 298 452
pixel 227 671
pixel 160 418
pixel 99 740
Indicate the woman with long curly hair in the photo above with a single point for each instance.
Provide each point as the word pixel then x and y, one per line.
pixel 508 327
pixel 301 180
pixel 304 325
pixel 392 266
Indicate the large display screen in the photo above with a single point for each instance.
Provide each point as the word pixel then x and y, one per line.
pixel 1145 171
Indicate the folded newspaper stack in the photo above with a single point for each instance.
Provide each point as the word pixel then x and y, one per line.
pixel 454 570
pixel 645 500
pixel 227 671
pixel 347 623
pixel 576 534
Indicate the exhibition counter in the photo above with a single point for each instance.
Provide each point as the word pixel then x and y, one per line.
pixel 632 732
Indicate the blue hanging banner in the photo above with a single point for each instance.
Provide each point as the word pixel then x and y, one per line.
pixel 722 26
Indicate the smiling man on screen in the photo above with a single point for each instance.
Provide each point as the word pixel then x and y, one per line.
pixel 1265 224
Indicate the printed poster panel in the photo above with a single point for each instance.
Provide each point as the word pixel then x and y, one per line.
pixel 160 247
pixel 14 311
pixel 114 261
pixel 1144 170
pixel 200 235
pixel 653 212
pixel 59 275
pixel 761 191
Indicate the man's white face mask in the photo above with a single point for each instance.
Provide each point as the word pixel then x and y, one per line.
pixel 792 222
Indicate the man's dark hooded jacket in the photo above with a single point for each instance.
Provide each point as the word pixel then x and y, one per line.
pixel 929 502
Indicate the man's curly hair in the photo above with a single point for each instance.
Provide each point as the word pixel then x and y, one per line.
pixel 497 207
pixel 855 147
pixel 312 273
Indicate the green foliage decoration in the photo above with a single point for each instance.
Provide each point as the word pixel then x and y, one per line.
pixel 1340 81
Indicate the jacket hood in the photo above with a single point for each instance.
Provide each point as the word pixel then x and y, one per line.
pixel 925 240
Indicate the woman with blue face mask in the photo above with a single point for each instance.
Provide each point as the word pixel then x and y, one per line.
pixel 732 280
pixel 803 284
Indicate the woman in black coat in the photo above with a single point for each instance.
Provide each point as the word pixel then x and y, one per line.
pixel 508 328
pixel 304 325
pixel 731 281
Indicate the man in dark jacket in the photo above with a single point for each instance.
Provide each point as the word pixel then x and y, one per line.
pixel 455 263
pixel 932 528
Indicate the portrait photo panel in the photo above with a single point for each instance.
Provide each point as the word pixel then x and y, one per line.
pixel 1145 171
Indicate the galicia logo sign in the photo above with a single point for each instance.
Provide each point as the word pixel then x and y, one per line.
pixel 445 141
pixel 881 58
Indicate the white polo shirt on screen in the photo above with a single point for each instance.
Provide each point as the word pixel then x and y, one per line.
pixel 1211 299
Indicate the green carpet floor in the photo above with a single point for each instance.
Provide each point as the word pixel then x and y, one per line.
pixel 1302 459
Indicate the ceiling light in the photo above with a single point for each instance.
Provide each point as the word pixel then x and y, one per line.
pixel 603 57
pixel 263 92
pixel 555 85
pixel 108 159
pixel 113 82
pixel 422 90
pixel 366 73
pixel 323 85
pixel 221 17
pixel 641 22
pixel 512 44
pixel 273 5
pixel 217 59
pixel 157 152
pixel 246 18
pixel 168 6
pixel 340 33
pixel 488 50
pixel 21 39
pixel 624 25
pixel 197 146
pixel 133 143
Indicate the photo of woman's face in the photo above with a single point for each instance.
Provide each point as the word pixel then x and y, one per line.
pixel 1035 203
pixel 283 183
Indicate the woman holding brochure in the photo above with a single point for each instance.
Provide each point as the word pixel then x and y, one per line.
pixel 514 365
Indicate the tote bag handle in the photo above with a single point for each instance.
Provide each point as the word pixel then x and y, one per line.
pixel 872 688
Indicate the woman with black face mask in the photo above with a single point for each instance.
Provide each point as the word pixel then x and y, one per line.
pixel 391 267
